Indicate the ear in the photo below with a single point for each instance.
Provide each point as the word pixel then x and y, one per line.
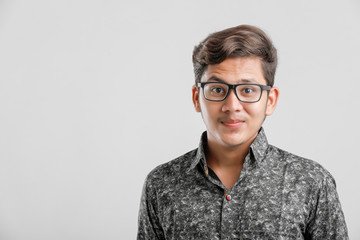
pixel 272 101
pixel 195 98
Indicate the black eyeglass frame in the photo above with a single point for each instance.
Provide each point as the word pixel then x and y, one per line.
pixel 233 86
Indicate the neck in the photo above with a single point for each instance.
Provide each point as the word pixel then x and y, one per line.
pixel 225 157
pixel 227 162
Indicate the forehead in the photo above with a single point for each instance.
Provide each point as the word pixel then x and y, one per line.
pixel 236 70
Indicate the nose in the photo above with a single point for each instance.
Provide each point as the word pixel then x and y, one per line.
pixel 232 103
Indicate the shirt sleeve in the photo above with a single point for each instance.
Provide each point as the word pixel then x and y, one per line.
pixel 149 226
pixel 327 220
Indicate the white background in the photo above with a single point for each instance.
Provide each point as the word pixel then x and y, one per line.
pixel 95 94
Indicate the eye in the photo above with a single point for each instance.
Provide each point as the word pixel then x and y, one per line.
pixel 248 90
pixel 217 90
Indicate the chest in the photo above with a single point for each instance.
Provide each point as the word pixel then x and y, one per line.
pixel 259 205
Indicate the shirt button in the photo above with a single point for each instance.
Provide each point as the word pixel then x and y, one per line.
pixel 228 197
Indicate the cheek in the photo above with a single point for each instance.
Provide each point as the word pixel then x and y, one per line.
pixel 256 110
pixel 209 111
pixel 205 112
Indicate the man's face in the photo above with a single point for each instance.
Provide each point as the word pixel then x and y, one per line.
pixel 232 123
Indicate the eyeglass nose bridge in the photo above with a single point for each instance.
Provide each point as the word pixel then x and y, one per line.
pixel 233 87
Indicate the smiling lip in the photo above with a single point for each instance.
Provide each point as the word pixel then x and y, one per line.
pixel 232 123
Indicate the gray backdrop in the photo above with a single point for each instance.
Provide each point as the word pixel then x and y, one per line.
pixel 95 94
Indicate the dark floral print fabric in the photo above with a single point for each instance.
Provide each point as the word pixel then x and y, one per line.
pixel 277 196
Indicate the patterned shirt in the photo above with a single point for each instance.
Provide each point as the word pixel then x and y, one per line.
pixel 277 196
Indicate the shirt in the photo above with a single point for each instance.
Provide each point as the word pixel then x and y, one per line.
pixel 277 196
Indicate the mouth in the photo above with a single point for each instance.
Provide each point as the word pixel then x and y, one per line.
pixel 232 123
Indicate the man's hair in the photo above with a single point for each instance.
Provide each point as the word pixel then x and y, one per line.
pixel 240 41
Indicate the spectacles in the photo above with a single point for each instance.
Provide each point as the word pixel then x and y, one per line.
pixel 218 91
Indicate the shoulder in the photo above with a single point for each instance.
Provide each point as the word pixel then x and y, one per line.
pixel 301 169
pixel 168 172
pixel 310 189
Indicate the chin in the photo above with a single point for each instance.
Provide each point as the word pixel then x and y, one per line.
pixel 232 141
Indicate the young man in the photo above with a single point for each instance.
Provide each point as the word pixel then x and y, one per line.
pixel 235 185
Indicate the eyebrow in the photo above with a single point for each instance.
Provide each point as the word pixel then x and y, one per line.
pixel 243 80
pixel 214 78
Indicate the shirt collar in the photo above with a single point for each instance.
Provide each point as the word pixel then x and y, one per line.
pixel 258 149
pixel 200 153
pixel 259 146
